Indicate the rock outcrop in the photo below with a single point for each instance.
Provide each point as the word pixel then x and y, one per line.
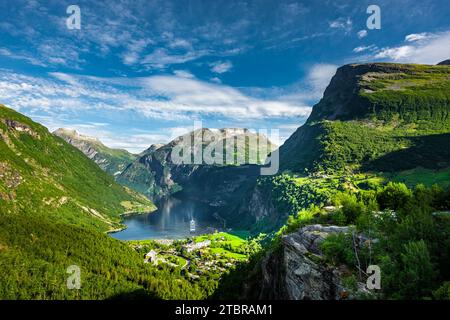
pixel 295 271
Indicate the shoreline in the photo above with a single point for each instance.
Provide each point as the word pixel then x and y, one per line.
pixel 128 214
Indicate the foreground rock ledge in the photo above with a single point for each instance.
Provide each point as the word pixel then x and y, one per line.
pixel 296 270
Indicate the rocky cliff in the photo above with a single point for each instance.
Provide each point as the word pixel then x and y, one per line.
pixel 296 270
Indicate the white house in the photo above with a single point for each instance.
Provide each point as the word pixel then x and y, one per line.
pixel 196 246
pixel 151 257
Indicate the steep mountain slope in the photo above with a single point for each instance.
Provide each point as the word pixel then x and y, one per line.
pixel 44 173
pixel 113 161
pixel 376 117
pixel 156 174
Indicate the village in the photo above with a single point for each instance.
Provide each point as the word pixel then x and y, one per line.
pixel 210 254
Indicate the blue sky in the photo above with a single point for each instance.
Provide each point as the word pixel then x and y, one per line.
pixel 140 72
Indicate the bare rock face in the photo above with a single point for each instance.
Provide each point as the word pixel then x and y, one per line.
pixel 296 272
pixel 84 143
pixel 20 127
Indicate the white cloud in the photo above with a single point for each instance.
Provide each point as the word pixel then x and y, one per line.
pixel 362 34
pixel 180 43
pixel 216 80
pixel 20 56
pixel 397 53
pixel 364 48
pixel 320 75
pixel 416 36
pixel 161 58
pixel 429 49
pixel 312 87
pixel 345 24
pixel 159 97
pixel 183 74
pixel 194 96
pixel 134 49
pixel 221 67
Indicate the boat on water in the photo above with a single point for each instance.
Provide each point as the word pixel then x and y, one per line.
pixel 192 226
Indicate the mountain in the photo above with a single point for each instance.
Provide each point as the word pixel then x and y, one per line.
pixel 152 148
pixel 155 173
pixel 113 161
pixel 376 117
pixel 375 122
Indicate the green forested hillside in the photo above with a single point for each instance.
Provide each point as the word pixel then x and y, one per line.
pixel 42 173
pixel 36 250
pixel 54 206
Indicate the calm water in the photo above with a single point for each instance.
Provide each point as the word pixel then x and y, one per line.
pixel 170 221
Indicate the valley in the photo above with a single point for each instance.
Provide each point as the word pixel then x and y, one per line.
pixel 364 181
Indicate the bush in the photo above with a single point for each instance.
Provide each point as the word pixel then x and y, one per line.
pixel 394 196
pixel 443 293
pixel 417 273
pixel 338 248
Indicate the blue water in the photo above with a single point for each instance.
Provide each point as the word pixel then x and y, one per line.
pixel 170 221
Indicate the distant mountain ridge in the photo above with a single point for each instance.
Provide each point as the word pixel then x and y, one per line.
pixel 155 173
pixel 113 161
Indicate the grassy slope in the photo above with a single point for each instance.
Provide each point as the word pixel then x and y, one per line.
pixel 116 159
pixel 398 120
